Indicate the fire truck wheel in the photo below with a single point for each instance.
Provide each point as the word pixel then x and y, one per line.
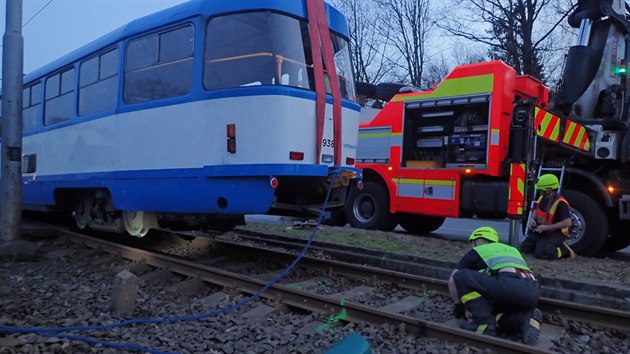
pixel 420 224
pixel 590 224
pixel 369 208
pixel 619 238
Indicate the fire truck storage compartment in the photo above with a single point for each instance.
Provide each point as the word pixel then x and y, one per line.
pixel 484 198
pixel 450 132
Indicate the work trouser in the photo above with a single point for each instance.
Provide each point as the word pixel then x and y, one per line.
pixel 545 246
pixel 504 300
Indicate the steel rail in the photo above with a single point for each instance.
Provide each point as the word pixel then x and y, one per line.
pixel 605 317
pixel 300 299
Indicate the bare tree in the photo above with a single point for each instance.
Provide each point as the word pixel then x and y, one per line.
pixel 512 29
pixel 367 44
pixel 436 71
pixel 408 24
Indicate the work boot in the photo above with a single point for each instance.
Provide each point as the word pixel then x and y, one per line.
pixel 487 329
pixel 572 253
pixel 531 327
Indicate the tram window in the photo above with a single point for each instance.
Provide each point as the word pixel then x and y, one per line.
pixel 152 74
pixel 109 64
pixel 344 67
pixel 176 44
pixel 238 52
pixel 89 71
pixel 142 53
pixel 257 47
pixel 59 97
pixel 67 81
pixel 98 83
pixel 52 86
pixel 32 108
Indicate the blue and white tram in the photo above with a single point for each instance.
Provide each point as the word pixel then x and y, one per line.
pixel 208 110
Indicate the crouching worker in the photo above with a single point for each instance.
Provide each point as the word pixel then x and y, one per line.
pixel 493 283
pixel 550 223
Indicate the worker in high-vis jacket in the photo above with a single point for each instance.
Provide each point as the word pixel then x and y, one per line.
pixel 549 223
pixel 494 289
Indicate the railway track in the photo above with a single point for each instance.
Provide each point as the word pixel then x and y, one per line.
pixel 558 295
pixel 334 305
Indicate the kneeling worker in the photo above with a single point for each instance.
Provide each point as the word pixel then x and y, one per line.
pixel 494 284
pixel 550 223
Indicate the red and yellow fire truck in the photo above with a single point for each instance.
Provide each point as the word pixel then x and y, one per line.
pixel 475 144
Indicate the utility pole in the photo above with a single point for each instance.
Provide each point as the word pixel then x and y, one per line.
pixel 11 125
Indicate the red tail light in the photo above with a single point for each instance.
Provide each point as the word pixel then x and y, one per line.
pixel 231 145
pixel 231 138
pixel 360 185
pixel 273 182
pixel 349 161
pixel 296 155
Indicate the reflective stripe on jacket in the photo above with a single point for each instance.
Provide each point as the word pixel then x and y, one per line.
pixel 498 255
pixel 547 217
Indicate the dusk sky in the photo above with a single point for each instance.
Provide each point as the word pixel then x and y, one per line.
pixel 65 25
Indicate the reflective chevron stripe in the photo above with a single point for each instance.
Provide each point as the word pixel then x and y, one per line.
pixel 548 125
pixel 576 136
pixel 516 195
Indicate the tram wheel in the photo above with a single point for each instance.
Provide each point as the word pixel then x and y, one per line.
pixel 82 213
pixel 137 223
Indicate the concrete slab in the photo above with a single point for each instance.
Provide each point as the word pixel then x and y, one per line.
pixel 58 253
pixel 135 268
pixel 406 304
pixel 259 312
pixel 311 327
pixel 245 267
pixel 354 292
pixel 124 293
pixel 103 259
pixel 158 274
pixel 217 260
pixel 186 287
pixel 222 299
pixel 548 333
pixel 212 301
pixel 308 284
pixel 268 276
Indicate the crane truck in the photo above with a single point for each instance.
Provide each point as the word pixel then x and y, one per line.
pixel 474 145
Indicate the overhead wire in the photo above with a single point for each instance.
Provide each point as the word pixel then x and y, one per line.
pixel 31 19
pixel 37 13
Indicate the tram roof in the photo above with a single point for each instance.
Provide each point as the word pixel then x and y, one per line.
pixel 205 8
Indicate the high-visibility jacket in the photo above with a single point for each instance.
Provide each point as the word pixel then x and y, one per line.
pixel 547 216
pixel 497 255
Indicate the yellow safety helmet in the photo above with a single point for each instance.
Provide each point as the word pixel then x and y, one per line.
pixel 486 232
pixel 547 182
